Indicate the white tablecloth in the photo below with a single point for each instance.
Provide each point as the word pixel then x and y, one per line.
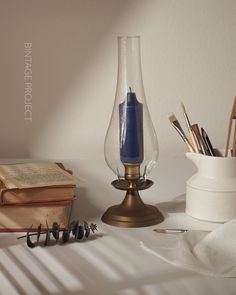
pixel 112 261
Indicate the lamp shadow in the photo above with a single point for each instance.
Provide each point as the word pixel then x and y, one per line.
pixel 83 207
pixel 177 205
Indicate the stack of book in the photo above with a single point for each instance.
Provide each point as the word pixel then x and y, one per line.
pixel 35 193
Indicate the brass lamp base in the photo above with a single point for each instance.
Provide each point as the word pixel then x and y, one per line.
pixel 132 212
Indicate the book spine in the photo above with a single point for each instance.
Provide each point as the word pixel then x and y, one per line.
pixel 40 204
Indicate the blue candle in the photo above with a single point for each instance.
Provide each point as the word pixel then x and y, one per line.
pixel 131 130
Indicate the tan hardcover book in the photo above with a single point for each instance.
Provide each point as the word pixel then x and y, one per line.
pixel 35 194
pixel 21 218
pixel 36 174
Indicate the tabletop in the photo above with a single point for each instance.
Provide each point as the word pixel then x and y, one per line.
pixel 112 260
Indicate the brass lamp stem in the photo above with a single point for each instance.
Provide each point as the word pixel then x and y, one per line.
pixel 132 171
pixel 132 212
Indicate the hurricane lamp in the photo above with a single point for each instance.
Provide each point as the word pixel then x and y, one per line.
pixel 131 147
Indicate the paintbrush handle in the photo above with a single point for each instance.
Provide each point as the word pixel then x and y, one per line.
pixel 201 143
pixel 234 142
pixel 208 143
pixel 185 139
pixel 178 128
pixel 232 117
pixel 228 136
pixel 187 121
pixel 176 230
pixel 190 147
pixel 194 141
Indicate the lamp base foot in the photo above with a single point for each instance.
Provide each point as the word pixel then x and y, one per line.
pixel 132 212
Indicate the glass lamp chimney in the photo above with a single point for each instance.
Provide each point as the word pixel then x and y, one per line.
pixel 130 138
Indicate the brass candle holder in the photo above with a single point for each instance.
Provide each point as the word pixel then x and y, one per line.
pixel 132 212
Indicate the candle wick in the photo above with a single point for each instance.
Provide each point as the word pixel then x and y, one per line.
pixel 130 89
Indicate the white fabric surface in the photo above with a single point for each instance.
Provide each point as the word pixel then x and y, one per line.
pixel 211 253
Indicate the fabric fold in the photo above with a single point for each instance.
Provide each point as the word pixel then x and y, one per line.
pixel 211 253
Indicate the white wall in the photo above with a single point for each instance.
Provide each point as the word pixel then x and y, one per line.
pixel 188 54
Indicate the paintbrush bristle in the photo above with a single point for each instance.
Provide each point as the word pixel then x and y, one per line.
pixel 183 107
pixel 172 117
pixel 160 230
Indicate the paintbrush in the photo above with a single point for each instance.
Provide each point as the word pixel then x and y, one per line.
pixel 176 125
pixel 208 143
pixel 193 138
pixel 201 143
pixel 232 119
pixel 175 230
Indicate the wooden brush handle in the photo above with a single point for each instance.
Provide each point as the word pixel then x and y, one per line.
pixel 228 136
pixel 232 117
pixel 190 147
pixel 234 142
pixel 194 141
